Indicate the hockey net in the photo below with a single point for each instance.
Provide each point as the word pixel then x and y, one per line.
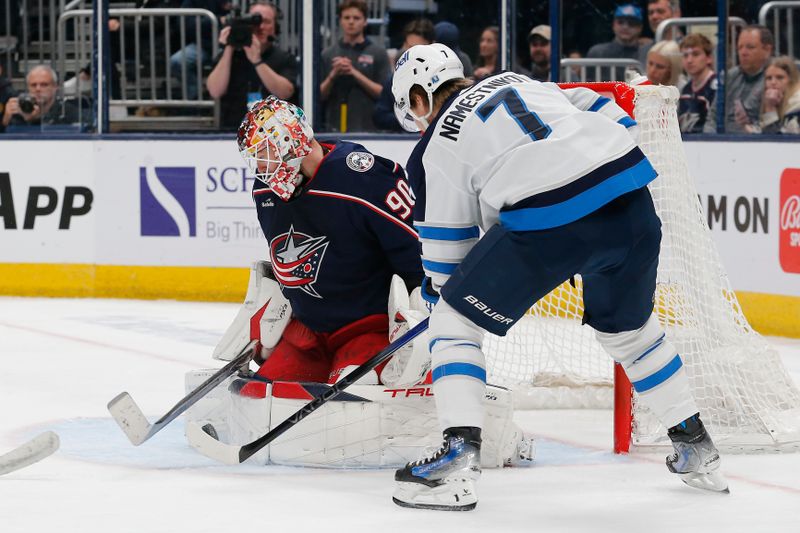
pixel 745 396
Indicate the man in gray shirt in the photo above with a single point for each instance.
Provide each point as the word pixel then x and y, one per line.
pixel 744 85
pixel 354 70
pixel 627 27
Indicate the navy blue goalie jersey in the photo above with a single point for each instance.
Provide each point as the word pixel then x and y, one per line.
pixel 335 247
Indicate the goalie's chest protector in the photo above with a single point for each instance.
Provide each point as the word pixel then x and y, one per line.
pixel 335 247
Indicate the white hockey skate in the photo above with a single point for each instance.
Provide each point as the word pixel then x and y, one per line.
pixel 446 480
pixel 696 459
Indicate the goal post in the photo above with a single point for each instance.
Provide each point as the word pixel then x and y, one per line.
pixel 746 398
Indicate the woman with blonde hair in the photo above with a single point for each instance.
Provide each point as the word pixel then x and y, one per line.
pixel 664 64
pixel 780 105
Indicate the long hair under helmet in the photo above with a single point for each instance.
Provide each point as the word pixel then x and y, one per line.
pixel 426 65
pixel 276 136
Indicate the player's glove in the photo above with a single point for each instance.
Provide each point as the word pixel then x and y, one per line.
pixel 263 315
pixel 411 363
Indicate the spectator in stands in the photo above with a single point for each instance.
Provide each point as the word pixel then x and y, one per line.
pixel 699 92
pixel 539 47
pixel 354 68
pixel 419 31
pixel 241 77
pixel 488 62
pixel 627 28
pixel 447 33
pixel 191 54
pixel 744 83
pixel 82 83
pixel 664 66
pixel 574 72
pixel 660 10
pixel 780 106
pixel 41 105
pixel 6 93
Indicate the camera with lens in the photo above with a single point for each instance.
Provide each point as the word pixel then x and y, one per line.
pixel 242 30
pixel 26 103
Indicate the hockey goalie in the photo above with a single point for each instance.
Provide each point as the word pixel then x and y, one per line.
pixel 343 281
pixel 371 425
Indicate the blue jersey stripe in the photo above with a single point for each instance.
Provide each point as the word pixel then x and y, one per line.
pixel 600 102
pixel 437 339
pixel 447 234
pixel 583 183
pixel 657 378
pixel 651 348
pixel 459 369
pixel 627 122
pixel 551 216
pixel 439 267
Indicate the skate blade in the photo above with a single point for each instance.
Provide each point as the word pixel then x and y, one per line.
pixel 434 507
pixel 454 495
pixel 713 481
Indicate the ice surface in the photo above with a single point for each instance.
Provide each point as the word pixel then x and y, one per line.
pixel 61 360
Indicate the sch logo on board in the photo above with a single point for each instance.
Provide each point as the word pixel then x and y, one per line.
pixel 167 201
pixel 790 220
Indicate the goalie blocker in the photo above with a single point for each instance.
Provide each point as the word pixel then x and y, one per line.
pixel 369 426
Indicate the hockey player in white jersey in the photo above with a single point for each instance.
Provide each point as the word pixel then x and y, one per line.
pixel 557 183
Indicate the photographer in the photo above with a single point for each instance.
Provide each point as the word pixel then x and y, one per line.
pixel 39 105
pixel 245 73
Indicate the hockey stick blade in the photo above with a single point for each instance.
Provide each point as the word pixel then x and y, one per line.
pixel 233 455
pixel 135 425
pixel 31 452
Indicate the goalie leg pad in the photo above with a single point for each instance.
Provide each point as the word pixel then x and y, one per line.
pixel 214 407
pixel 655 369
pixel 369 426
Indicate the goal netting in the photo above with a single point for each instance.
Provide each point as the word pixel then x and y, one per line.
pixel 745 396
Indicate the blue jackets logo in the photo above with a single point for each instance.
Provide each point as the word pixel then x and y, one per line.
pixel 296 258
pixel 167 200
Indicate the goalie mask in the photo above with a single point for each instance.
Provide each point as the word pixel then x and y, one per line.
pixel 426 65
pixel 273 139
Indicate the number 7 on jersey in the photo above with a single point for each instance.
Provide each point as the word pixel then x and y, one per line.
pixel 529 121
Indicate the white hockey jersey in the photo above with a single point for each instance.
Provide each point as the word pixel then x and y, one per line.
pixel 525 154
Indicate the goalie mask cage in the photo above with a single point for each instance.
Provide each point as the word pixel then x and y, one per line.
pixel 745 396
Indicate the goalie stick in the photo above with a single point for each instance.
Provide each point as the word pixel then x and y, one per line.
pixel 31 452
pixel 135 425
pixel 234 455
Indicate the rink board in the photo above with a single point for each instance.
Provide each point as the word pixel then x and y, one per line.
pixel 174 219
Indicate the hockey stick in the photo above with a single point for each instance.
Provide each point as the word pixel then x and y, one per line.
pixel 234 455
pixel 31 452
pixel 135 425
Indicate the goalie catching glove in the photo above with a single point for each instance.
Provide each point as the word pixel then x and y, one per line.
pixel 263 315
pixel 411 363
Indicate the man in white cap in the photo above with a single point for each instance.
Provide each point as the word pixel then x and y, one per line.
pixel 539 45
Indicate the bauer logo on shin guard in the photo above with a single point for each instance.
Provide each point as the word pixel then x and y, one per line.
pixel 486 310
